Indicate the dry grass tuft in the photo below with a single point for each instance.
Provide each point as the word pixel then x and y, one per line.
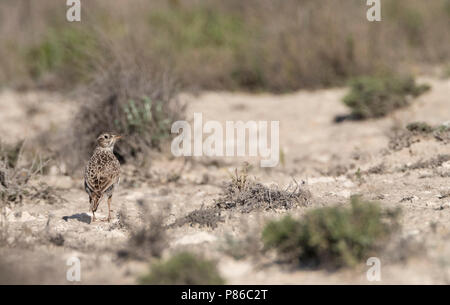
pixel 15 176
pixel 246 195
pixel 257 196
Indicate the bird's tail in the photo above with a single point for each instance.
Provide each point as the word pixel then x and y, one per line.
pixel 95 200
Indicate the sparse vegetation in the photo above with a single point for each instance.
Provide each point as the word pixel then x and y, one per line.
pixel 245 195
pixel 256 196
pixel 332 236
pixel 15 175
pixel 374 97
pixel 223 44
pixel 183 269
pixel 402 138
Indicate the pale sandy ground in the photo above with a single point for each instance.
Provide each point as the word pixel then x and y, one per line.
pixel 312 145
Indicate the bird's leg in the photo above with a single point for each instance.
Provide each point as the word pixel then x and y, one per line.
pixel 90 203
pixel 109 208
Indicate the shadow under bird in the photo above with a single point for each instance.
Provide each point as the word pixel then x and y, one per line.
pixel 102 172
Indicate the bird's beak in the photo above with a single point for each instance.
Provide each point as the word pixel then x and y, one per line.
pixel 117 137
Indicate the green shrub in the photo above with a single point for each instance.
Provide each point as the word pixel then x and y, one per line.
pixel 183 269
pixel 331 236
pixel 373 97
pixel 144 114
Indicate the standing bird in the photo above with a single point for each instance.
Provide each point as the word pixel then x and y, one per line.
pixel 102 172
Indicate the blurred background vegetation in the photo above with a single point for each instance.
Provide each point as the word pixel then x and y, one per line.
pixel 252 45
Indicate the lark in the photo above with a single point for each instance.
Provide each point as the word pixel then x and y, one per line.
pixel 102 172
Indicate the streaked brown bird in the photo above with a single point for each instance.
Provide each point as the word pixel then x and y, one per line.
pixel 102 172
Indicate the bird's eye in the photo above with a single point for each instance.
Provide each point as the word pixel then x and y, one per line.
pixel 106 136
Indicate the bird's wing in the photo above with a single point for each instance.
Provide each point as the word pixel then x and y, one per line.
pixel 88 180
pixel 107 183
pixel 101 182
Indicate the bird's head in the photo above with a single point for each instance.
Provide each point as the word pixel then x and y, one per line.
pixel 107 140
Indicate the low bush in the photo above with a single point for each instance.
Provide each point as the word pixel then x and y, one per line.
pixel 332 236
pixel 183 269
pixel 374 97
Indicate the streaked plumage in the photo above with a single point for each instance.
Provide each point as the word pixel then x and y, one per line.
pixel 102 172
